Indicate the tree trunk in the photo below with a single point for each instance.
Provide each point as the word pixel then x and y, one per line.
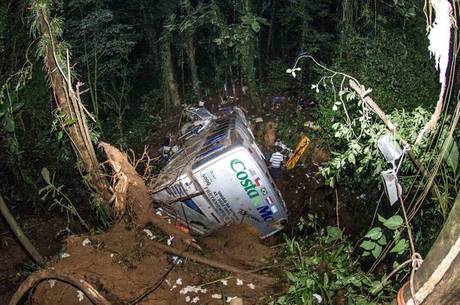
pixel 270 30
pixel 436 282
pixel 169 79
pixel 190 49
pixel 68 103
pixel 247 60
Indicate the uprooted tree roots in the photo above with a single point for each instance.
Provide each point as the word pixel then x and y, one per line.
pixel 113 268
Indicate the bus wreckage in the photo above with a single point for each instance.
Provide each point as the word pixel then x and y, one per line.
pixel 218 177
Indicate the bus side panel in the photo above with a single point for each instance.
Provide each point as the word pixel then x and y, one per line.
pixel 233 187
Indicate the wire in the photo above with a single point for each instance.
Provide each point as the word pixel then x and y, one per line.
pixel 154 287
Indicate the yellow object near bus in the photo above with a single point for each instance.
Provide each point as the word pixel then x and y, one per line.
pixel 298 152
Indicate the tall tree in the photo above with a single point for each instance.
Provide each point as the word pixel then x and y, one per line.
pixel 190 49
pixel 248 52
pixel 170 86
pixel 70 109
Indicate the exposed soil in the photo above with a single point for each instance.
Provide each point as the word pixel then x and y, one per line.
pixel 123 263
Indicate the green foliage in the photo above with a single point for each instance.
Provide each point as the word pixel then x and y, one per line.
pixel 324 268
pixel 376 238
pixel 355 139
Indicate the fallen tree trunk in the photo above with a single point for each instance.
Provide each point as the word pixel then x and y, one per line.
pixel 25 242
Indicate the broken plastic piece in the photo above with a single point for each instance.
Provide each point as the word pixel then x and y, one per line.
pixel 389 148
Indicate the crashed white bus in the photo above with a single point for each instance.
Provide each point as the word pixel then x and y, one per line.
pixel 220 177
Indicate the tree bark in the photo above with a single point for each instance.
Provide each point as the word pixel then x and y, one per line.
pixel 68 103
pixel 169 79
pixel 436 282
pixel 190 49
pixel 270 30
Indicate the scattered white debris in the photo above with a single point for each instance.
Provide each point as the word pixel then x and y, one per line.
pixel 112 255
pixel 173 287
pixel 318 298
pixel 64 255
pixel 149 234
pixel 176 259
pixel 52 283
pixel 259 120
pixel 168 282
pixel 169 221
pixel 194 289
pixel 187 299
pixel 229 299
pixel 86 242
pixel 80 295
pixel 252 286
pixel 179 281
pixel 195 300
pixel 239 282
pixel 216 296
pixel 224 282
pixel 169 241
pixel 159 213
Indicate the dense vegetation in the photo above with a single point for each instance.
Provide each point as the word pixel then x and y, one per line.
pixel 140 60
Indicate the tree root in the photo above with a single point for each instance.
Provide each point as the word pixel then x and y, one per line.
pixel 131 196
pixel 36 278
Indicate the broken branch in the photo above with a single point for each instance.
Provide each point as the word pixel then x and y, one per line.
pixel 363 94
pixel 25 242
pixel 210 262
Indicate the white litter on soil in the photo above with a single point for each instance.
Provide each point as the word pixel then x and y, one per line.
pixel 80 295
pixel 149 234
pixel 194 289
pixel 52 283
pixel 86 242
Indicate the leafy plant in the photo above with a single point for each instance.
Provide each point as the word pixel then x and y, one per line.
pixel 59 198
pixel 324 269
pixel 376 238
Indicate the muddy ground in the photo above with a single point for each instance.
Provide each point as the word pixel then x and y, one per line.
pixel 123 263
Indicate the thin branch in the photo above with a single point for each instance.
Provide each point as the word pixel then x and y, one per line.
pixel 25 242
